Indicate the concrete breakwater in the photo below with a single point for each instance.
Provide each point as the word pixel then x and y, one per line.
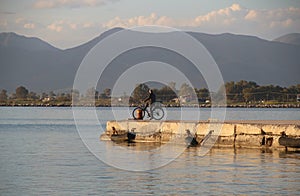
pixel 245 133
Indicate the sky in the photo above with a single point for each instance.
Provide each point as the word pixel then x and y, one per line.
pixel 69 23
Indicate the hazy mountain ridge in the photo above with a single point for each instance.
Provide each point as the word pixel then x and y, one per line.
pixel 41 67
pixel 13 40
pixel 259 60
pixel 292 38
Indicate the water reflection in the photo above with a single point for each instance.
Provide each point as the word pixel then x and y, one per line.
pixel 39 157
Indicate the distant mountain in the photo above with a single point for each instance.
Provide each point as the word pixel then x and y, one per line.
pixel 41 67
pixel 30 62
pixel 250 58
pixel 293 38
pixel 19 42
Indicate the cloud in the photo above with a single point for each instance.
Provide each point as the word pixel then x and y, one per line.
pixel 73 26
pixel 56 26
pixel 251 15
pixel 47 4
pixel 24 23
pixel 152 19
pixel 235 19
pixel 3 22
pixel 19 20
pixel 29 26
pixel 88 25
pixel 61 25
pixel 224 16
pixel 275 18
pixel 235 7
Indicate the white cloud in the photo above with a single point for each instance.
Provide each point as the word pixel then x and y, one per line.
pixel 24 23
pixel 19 20
pixel 88 25
pixel 46 4
pixel 65 25
pixel 273 15
pixel 3 22
pixel 281 20
pixel 286 23
pixel 29 26
pixel 234 19
pixel 235 7
pixel 224 16
pixel 251 15
pixel 56 26
pixel 73 26
pixel 152 19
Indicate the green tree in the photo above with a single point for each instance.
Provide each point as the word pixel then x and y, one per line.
pixel 63 97
pixel 139 93
pixel 90 93
pixel 13 96
pixel 172 85
pixel 203 93
pixel 248 94
pixel 44 95
pixel 52 94
pixel 235 91
pixel 3 95
pixel 33 96
pixel 166 94
pixel 187 93
pixel 96 94
pixel 107 92
pixel 21 92
pixel 186 90
pixel 75 95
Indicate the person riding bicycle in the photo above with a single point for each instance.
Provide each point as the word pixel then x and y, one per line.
pixel 150 100
pixel 155 112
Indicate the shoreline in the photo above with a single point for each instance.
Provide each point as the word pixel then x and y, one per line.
pixel 167 106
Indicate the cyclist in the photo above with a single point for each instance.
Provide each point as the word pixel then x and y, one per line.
pixel 150 100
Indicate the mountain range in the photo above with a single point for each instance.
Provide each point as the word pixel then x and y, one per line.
pixel 41 67
pixel 293 38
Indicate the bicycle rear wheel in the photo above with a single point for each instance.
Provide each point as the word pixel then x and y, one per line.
pixel 157 113
pixel 135 113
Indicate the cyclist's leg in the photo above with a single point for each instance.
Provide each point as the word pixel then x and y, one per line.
pixel 149 109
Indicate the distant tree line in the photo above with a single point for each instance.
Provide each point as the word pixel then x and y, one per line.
pixel 250 92
pixel 237 92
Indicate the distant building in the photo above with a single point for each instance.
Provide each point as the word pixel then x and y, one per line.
pixel 298 97
pixel 187 98
pixel 46 99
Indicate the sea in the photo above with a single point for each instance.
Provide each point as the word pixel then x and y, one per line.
pixel 42 153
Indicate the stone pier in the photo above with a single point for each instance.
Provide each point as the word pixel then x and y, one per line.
pixel 240 134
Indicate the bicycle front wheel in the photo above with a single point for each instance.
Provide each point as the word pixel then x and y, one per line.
pixel 138 113
pixel 157 113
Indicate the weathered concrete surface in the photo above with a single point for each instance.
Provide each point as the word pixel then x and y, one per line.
pixel 251 134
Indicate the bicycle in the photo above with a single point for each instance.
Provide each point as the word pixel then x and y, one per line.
pixel 156 113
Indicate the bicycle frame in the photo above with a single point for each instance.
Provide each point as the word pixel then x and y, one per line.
pixel 154 112
pixel 145 109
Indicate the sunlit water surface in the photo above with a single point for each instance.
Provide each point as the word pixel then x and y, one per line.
pixel 41 153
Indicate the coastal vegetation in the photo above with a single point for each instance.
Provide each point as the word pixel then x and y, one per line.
pixel 238 94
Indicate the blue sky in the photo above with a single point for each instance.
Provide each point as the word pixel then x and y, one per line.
pixel 68 23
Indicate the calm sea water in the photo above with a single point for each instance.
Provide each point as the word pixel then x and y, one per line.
pixel 41 153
